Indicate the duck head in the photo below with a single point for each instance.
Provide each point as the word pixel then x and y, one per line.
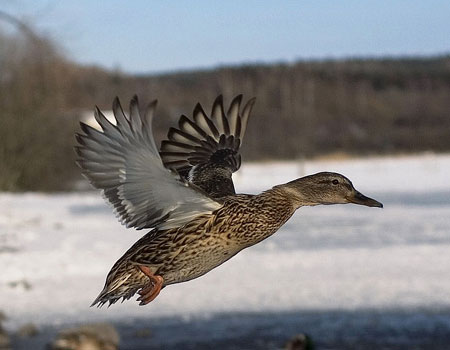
pixel 326 188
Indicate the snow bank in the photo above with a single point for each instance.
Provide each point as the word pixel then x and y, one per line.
pixel 57 249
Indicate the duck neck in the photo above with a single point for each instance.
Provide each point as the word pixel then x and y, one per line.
pixel 298 193
pixel 269 211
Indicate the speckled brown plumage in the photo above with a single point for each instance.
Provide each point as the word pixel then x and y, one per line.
pixel 199 222
pixel 187 252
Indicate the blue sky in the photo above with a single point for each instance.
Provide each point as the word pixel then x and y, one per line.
pixel 154 36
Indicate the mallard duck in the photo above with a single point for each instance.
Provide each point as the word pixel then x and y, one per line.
pixel 185 195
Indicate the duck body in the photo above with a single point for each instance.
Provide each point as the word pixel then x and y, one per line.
pixel 184 193
pixel 190 251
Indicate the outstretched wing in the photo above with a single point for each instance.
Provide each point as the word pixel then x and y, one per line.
pixel 205 150
pixel 123 161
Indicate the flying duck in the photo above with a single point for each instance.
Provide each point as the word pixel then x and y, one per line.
pixel 184 194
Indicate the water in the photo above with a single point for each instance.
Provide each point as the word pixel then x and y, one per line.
pixel 332 329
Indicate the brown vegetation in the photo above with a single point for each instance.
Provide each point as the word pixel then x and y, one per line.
pixel 35 139
pixel 306 109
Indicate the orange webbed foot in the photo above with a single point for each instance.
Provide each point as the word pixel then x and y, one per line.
pixel 151 291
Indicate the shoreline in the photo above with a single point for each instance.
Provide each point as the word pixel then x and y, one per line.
pixel 336 329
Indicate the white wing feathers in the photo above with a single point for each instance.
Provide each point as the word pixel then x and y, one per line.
pixel 123 161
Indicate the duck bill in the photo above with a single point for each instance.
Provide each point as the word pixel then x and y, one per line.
pixel 359 198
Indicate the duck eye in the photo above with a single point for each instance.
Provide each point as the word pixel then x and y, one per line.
pixel 335 182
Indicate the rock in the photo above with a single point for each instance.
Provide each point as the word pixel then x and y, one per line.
pixel 97 336
pixel 28 330
pixel 21 284
pixel 58 226
pixel 5 342
pixel 300 342
pixel 143 333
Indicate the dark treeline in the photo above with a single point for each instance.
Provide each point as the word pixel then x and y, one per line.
pixel 304 109
pixel 307 108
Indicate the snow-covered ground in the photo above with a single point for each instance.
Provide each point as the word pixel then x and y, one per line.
pixel 55 250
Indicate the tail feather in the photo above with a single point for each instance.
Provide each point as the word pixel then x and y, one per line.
pixel 123 281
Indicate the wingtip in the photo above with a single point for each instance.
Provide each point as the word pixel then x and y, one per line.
pixel 218 100
pixel 170 133
pixel 237 98
pixel 98 115
pixel 149 112
pixel 87 129
pixel 81 124
pixel 78 164
pixel 236 101
pixel 78 150
pixel 116 102
pixel 152 104
pixel 248 106
pixel 134 101
pixel 122 119
pixel 79 138
pixel 198 109
pixel 182 120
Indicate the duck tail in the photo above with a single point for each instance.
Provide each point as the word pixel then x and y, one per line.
pixel 123 281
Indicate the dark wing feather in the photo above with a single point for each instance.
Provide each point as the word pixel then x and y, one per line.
pixel 205 150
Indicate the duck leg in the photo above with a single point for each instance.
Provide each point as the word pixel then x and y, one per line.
pixel 151 291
